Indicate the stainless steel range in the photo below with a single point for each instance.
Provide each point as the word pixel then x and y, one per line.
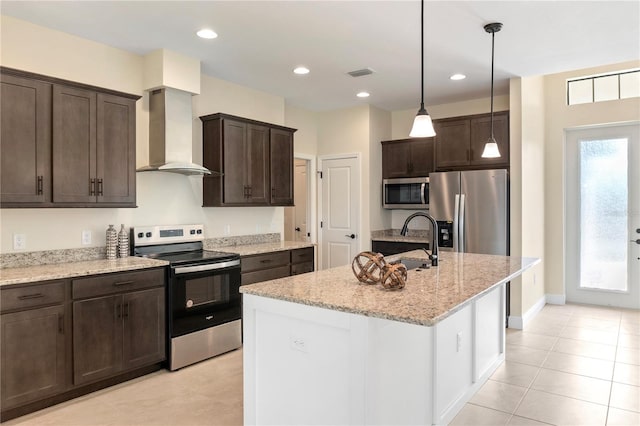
pixel 204 307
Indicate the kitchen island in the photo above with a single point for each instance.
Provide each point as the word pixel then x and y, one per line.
pixel 321 348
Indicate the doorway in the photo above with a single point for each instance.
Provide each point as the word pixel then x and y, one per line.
pixel 602 208
pixel 297 219
pixel 340 208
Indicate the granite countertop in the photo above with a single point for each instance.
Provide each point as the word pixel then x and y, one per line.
pixel 430 295
pixel 393 235
pixel 28 274
pixel 249 249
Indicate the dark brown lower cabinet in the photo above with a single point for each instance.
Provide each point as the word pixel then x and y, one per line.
pixel 65 338
pixel 117 333
pixel 33 355
pixel 278 264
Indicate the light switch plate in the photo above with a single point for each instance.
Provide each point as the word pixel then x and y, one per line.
pixel 19 241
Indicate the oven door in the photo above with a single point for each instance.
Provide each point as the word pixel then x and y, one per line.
pixel 203 296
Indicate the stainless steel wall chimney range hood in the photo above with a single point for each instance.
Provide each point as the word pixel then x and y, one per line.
pixel 170 134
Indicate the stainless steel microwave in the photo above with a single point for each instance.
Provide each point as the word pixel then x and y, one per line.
pixel 405 193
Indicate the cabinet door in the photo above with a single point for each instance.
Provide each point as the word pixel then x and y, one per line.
pixel 281 149
pixel 33 355
pixel 74 145
pixel 116 149
pixel 257 164
pixel 97 338
pixel 234 154
pixel 25 140
pixel 144 328
pixel 421 157
pixel 480 132
pixel 452 143
pixel 395 159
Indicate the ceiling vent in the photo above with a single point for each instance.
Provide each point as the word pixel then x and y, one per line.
pixel 361 73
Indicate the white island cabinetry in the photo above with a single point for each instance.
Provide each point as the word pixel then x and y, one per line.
pixel 369 356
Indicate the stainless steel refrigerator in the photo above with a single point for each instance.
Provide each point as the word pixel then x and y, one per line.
pixel 472 210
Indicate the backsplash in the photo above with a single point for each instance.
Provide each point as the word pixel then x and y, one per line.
pixel 49 257
pixel 240 240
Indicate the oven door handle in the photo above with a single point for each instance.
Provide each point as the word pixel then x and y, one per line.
pixel 206 267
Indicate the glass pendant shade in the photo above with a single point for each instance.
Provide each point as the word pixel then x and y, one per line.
pixel 422 126
pixel 491 149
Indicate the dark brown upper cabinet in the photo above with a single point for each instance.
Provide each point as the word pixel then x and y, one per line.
pixel 25 141
pixel 255 158
pixel 407 158
pixel 66 144
pixel 460 141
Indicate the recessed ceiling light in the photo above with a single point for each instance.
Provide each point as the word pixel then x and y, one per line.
pixel 301 70
pixel 207 33
pixel 458 77
pixel 363 95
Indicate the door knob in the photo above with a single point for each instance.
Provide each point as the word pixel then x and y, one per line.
pixel 298 229
pixel 636 241
pixel 637 230
pixel 352 236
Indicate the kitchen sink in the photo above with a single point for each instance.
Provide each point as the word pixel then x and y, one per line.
pixel 416 263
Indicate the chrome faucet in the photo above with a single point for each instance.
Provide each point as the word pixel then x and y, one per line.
pixel 434 235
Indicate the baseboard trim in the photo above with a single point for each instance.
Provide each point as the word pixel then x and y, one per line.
pixel 520 322
pixel 556 299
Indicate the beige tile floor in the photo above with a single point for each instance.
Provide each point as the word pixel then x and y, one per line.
pixel 573 365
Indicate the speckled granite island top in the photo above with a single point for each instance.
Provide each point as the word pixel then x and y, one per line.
pixel 430 295
pixel 30 274
pixel 249 249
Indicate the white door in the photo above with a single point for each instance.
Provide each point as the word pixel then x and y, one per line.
pixel 603 215
pixel 300 199
pixel 340 222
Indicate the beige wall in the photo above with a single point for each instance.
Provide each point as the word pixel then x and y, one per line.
pixel 306 138
pixel 527 144
pixel 379 130
pixel 558 117
pixel 161 197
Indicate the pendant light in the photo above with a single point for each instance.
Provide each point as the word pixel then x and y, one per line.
pixel 491 146
pixel 422 125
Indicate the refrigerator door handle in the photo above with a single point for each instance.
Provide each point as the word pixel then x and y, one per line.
pixel 456 231
pixel 461 228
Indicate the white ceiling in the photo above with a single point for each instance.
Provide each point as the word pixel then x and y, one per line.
pixel 260 42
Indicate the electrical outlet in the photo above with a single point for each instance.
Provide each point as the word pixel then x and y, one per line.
pixel 227 230
pixel 459 341
pixel 298 343
pixel 19 241
pixel 534 278
pixel 86 237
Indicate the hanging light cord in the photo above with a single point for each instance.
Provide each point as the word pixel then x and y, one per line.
pixel 422 56
pixel 493 38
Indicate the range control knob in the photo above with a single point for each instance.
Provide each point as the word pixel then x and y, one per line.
pixel 148 234
pixel 192 232
pixel 140 234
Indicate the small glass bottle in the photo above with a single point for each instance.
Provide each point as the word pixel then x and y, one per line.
pixel 112 243
pixel 123 242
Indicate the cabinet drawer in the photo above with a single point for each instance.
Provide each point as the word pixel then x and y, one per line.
pixel 265 275
pixel 302 255
pixel 301 268
pixel 264 261
pixel 32 296
pixel 116 283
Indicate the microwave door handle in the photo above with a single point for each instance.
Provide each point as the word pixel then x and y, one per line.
pixel 422 197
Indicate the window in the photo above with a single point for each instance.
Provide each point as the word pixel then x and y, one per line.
pixel 605 87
